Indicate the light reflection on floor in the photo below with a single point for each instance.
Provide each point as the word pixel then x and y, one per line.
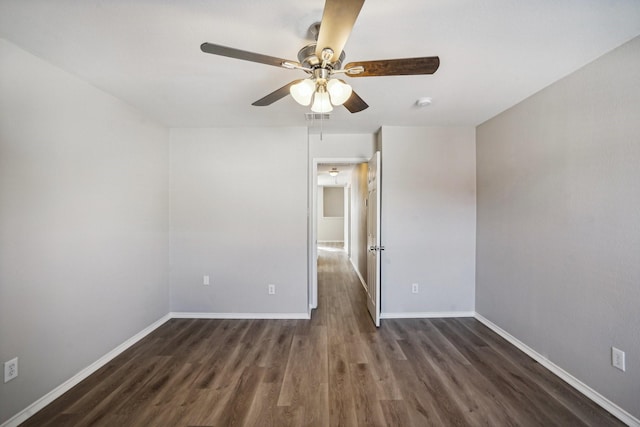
pixel 331 247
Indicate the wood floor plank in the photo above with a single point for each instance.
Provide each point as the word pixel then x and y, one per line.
pixel 515 391
pixel 477 399
pixel 445 404
pixel 385 384
pixel 276 361
pixel 316 407
pixel 295 372
pixel 395 413
pixel 263 409
pixel 419 404
pixel 366 402
pixel 586 410
pixel 129 387
pixel 214 364
pixel 286 416
pixel 167 400
pixel 237 407
pixel 336 369
pixel 341 405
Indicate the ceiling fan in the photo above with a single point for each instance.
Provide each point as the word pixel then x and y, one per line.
pixel 322 61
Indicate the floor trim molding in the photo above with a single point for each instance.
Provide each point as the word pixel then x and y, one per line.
pixel 596 397
pixel 355 269
pixel 271 316
pixel 30 410
pixel 427 315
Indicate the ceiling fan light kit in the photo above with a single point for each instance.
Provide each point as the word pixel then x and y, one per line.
pixel 339 91
pixel 303 91
pixel 324 93
pixel 321 102
pixel 322 60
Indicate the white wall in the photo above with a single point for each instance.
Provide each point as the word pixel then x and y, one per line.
pixel 428 219
pixel 239 215
pixel 83 225
pixel 558 223
pixel 334 146
pixel 330 228
pixel 333 201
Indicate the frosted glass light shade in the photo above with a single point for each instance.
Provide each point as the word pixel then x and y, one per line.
pixel 339 91
pixel 303 92
pixel 321 103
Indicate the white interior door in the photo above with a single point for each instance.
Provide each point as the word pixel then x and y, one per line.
pixel 373 239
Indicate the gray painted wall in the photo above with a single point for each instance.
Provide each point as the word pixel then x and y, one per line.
pixel 558 258
pixel 83 225
pixel 239 215
pixel 428 219
pixel 331 229
pixel 333 202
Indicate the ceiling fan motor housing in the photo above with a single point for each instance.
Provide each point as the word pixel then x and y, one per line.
pixel 307 57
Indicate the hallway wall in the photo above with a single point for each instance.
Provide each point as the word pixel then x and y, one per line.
pixel 359 218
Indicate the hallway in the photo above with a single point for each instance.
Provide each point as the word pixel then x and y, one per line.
pixel 336 369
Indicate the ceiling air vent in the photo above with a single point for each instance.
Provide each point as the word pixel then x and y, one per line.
pixel 310 117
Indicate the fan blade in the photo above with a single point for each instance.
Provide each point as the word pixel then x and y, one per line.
pixel 338 19
pixel 355 104
pixel 230 52
pixel 276 95
pixel 396 67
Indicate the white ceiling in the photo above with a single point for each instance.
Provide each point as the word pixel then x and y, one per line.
pixel 494 53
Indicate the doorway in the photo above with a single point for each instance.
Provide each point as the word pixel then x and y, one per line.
pixel 349 230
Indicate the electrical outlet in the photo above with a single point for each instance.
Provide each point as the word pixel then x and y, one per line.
pixel 205 280
pixel 10 369
pixel 272 289
pixel 415 288
pixel 617 358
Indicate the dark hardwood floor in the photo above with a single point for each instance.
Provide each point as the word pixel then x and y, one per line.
pixel 335 369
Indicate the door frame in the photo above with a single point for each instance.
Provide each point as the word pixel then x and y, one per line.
pixel 313 220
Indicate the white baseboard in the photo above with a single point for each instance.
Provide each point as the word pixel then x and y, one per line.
pixel 364 284
pixel 180 315
pixel 30 410
pixel 427 315
pixel 605 403
pixel 330 241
